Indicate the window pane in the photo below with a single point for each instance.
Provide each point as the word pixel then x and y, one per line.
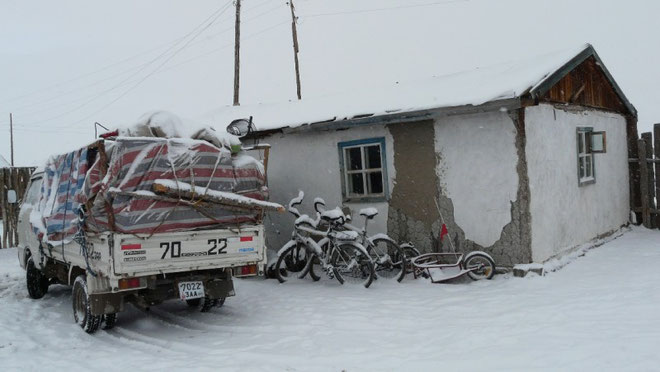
pixel 372 154
pixel 588 166
pixel 355 184
pixel 33 192
pixel 375 183
pixel 353 158
pixel 581 142
pixel 582 170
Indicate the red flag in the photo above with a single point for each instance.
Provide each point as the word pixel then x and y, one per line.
pixel 443 231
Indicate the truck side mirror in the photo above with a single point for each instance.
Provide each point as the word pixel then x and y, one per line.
pixel 11 197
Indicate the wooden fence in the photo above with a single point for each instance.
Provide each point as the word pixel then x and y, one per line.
pixel 16 179
pixel 645 179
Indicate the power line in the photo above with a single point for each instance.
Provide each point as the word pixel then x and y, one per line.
pixel 56 129
pixel 214 17
pixel 383 9
pixel 157 68
pixel 107 67
pixel 141 67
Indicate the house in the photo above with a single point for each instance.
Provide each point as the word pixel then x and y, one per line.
pixel 524 160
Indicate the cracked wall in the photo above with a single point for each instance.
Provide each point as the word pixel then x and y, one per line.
pixel 474 166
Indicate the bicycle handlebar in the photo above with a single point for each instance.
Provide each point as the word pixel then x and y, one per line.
pixel 296 201
pixel 317 203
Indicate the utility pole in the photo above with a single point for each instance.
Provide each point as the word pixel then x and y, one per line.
pixel 11 136
pixel 294 32
pixel 237 47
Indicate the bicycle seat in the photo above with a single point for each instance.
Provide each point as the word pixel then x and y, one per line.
pixel 344 235
pixel 333 215
pixel 369 213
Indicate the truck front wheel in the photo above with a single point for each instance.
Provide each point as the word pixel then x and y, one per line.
pixel 37 283
pixel 82 312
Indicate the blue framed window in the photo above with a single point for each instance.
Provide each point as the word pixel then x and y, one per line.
pixel 363 169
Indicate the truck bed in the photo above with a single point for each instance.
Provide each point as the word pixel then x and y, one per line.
pixel 187 251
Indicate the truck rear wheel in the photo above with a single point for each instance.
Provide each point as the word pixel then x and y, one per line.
pixel 210 303
pixel 109 321
pixel 37 283
pixel 82 313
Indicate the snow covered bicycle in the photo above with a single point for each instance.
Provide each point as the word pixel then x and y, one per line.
pixel 391 260
pixel 344 258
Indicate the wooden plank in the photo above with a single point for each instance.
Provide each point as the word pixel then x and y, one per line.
pixel 16 179
pixel 648 139
pixel 656 149
pixel 644 184
pixel 3 209
pixel 242 202
pixel 633 168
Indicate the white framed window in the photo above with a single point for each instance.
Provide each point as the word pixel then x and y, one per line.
pixel 585 159
pixel 363 169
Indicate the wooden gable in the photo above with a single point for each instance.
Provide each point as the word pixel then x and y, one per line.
pixel 586 85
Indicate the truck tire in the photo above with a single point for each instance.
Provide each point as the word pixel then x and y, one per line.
pixel 82 313
pixel 210 303
pixel 109 321
pixel 37 283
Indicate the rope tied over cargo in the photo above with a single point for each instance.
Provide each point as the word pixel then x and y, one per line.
pixel 81 238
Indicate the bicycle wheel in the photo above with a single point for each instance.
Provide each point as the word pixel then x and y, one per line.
pixel 352 264
pixel 291 260
pixel 482 265
pixel 410 252
pixel 389 259
pixel 314 267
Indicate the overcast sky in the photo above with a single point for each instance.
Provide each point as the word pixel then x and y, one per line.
pixel 68 63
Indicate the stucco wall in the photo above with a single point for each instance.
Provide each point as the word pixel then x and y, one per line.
pixel 564 214
pixel 309 161
pixel 476 167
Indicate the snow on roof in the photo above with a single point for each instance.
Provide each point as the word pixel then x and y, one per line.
pixel 472 87
pixel 4 163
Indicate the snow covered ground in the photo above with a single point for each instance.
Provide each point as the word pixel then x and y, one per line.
pixel 598 313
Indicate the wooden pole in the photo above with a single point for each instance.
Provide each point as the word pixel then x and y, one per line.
pixel 294 32
pixel 644 184
pixel 648 139
pixel 237 47
pixel 11 136
pixel 656 149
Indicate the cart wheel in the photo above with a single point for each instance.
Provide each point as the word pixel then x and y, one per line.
pixel 481 265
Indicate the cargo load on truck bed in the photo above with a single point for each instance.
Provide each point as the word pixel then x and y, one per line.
pixel 109 186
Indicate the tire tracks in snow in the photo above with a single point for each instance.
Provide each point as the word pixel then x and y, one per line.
pixel 167 345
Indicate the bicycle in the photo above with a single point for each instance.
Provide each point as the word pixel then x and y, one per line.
pixel 391 260
pixel 344 258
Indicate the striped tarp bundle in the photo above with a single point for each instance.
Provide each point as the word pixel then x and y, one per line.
pixel 120 199
pixel 61 194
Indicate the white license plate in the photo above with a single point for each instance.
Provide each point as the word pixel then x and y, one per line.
pixel 191 290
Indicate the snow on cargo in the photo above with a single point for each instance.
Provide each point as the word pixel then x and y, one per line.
pixel 112 181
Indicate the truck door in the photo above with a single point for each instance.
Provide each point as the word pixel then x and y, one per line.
pixel 26 235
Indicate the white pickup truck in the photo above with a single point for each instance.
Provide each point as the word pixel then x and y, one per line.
pixel 109 267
